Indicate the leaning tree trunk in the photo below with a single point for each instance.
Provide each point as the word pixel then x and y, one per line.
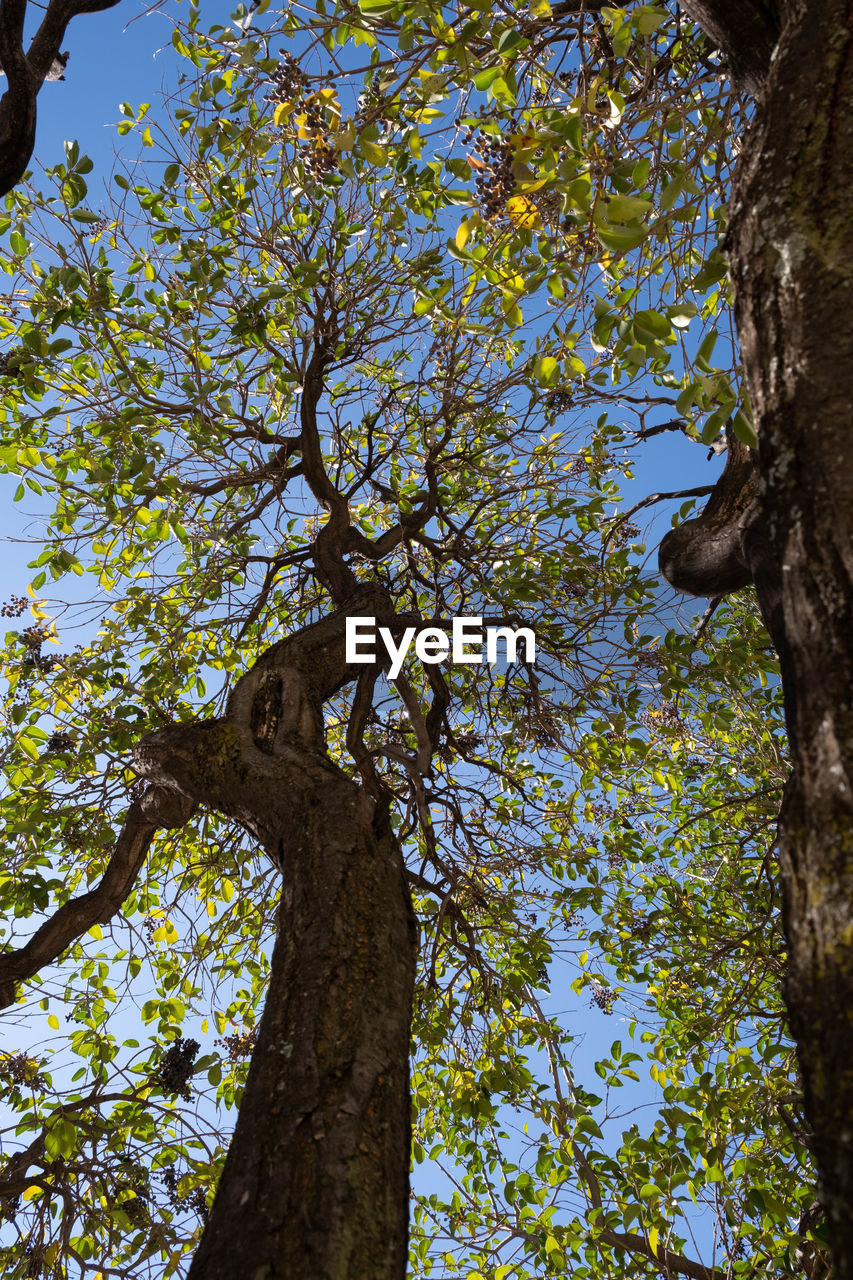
pixel 790 249
pixel 315 1184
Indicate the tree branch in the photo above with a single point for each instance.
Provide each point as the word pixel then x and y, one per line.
pixel 155 809
pixel 26 73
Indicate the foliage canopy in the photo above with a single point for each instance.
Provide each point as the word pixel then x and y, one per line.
pixel 393 295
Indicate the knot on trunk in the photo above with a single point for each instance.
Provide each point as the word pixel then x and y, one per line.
pixel 167 807
pixel 706 556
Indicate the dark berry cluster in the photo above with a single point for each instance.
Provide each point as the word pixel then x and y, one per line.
pixel 195 1199
pixel 60 742
pixel 290 84
pixel 624 533
pixel 19 1069
pixel 240 1045
pixel 601 998
pixel 494 184
pixel 320 158
pixel 549 204
pixel 33 637
pixel 664 717
pixel 14 607
pixel 652 659
pixel 9 1206
pixel 287 81
pixel 10 364
pixel 176 1067
pixel 41 662
pixel 34 1253
pixel 559 401
pixel 133 1177
pixel 369 100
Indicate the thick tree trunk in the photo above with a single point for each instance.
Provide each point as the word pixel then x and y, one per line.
pixel 790 250
pixel 791 257
pixel 315 1185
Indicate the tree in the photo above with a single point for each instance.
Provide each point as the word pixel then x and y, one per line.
pixel 780 517
pixel 264 278
pixel 233 315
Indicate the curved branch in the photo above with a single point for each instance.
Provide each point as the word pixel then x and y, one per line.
pixel 26 73
pixel 155 809
pixel 701 491
pixel 18 104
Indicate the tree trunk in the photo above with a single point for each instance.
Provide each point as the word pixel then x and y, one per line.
pixel 315 1184
pixel 791 258
pixel 790 249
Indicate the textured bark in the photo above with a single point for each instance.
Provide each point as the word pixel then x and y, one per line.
pixel 791 257
pixel 315 1185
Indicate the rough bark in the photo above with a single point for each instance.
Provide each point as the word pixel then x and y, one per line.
pixel 315 1185
pixel 792 268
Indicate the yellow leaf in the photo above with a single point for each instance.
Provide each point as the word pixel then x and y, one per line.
pixel 205 1026
pixel 523 212
pixel 53 1021
pixel 375 154
pixel 462 233
pixel 211 909
pixel 282 111
pixel 654 1236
